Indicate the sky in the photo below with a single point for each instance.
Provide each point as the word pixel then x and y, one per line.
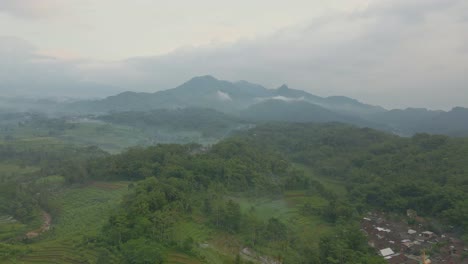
pixel 394 53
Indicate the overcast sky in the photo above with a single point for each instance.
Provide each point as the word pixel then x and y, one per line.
pixel 395 53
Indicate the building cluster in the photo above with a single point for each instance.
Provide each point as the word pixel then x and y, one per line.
pixel 401 243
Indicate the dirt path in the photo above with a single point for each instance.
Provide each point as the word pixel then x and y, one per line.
pixel 46 222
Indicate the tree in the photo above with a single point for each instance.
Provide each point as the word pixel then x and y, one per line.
pixel 142 251
pixel 232 216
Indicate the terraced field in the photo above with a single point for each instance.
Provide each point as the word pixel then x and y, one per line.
pixel 84 210
pixel 9 227
pixel 6 219
pixel 10 171
pixel 59 253
pixel 180 258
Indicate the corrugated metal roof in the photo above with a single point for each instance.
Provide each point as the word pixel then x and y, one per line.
pixel 386 252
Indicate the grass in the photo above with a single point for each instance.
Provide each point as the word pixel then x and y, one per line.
pixel 299 198
pixel 10 168
pixel 266 208
pixel 198 232
pixel 112 138
pixel 10 171
pixel 51 180
pixel 210 244
pixel 333 185
pixel 84 210
pixel 10 228
pixel 287 209
pixel 175 257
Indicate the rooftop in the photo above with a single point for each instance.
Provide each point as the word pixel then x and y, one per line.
pixel 386 252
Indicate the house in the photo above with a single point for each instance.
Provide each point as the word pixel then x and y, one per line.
pixel 412 232
pixel 386 252
pixel 427 234
pixel 401 259
pixel 453 250
pixel 380 229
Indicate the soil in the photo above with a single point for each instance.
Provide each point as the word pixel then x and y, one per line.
pixel 46 222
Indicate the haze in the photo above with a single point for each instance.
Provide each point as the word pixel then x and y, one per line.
pixel 394 53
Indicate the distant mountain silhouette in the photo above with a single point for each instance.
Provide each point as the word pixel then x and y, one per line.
pixel 255 102
pixel 419 120
pixel 209 92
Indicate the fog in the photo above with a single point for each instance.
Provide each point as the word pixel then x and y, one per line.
pixel 396 53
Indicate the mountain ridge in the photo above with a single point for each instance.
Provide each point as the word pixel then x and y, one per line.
pixel 241 97
pixel 242 94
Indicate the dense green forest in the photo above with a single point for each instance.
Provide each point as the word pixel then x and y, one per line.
pixel 284 193
pixel 184 183
pixel 428 173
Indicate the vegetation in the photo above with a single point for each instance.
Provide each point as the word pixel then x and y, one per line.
pixel 116 132
pixel 279 192
pixel 209 123
pixel 427 173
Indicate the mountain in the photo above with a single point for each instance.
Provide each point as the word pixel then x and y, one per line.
pixel 420 120
pixel 204 91
pixel 255 102
pixel 404 121
pixel 453 122
pixel 209 92
pixel 299 111
pixel 340 104
pixel 292 111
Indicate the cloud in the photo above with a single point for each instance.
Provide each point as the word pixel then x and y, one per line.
pixel 281 98
pixel 26 72
pixel 223 96
pixel 31 8
pixel 396 53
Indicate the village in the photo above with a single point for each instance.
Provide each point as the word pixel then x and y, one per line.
pixel 402 243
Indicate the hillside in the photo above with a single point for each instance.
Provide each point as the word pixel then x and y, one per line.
pixel 418 120
pixel 282 192
pixel 257 103
pixel 208 122
pixel 209 92
pixel 117 131
pixel 297 111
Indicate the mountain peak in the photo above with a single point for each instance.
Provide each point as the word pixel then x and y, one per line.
pixel 205 77
pixel 283 87
pixel 459 109
pixel 206 82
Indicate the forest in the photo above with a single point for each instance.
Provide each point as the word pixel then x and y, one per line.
pixel 276 193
